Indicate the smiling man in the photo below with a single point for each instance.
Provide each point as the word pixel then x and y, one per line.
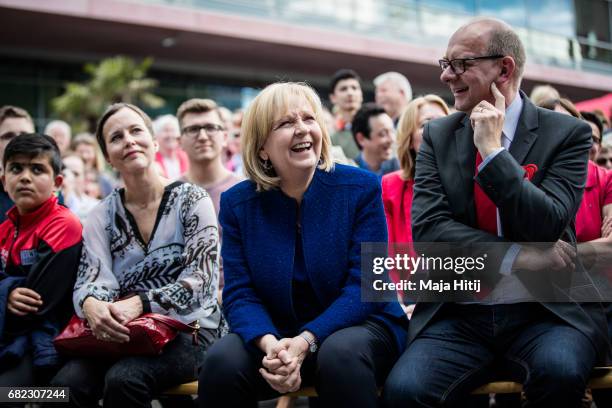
pixel 471 186
pixel 374 134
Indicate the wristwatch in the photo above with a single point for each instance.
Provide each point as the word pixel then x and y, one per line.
pixel 312 342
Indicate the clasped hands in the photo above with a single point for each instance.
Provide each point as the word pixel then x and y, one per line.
pixel 283 361
pixel 107 320
pixel 488 123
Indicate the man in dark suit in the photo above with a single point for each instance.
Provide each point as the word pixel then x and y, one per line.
pixel 455 347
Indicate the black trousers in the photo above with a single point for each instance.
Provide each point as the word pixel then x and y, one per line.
pixel 132 381
pixel 346 371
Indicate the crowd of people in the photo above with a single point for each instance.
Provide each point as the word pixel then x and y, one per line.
pixel 248 226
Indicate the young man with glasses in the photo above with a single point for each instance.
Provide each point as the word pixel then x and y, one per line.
pixel 203 138
pixel 13 122
pixel 500 171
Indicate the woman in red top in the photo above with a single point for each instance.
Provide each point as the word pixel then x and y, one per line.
pixel 397 186
pixel 594 216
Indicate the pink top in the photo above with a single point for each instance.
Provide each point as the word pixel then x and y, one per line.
pixel 397 199
pixel 597 194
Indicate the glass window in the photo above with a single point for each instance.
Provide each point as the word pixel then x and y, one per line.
pixel 552 16
pixel 465 6
pixel 513 12
pixel 593 29
pixel 593 19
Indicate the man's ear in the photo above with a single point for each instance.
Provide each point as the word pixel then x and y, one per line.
pixel 361 139
pixel 508 70
pixel 59 180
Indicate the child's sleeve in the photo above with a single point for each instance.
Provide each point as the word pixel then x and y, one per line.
pixel 54 271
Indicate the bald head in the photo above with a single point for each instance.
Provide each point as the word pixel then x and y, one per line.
pixel 480 53
pixel 498 38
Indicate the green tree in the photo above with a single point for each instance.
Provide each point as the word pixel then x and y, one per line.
pixel 117 79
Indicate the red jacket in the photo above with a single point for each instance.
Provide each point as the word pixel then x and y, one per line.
pixel 43 247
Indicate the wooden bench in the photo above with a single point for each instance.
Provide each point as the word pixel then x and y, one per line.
pixel 602 378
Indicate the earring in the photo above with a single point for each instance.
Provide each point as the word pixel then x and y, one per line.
pixel 267 164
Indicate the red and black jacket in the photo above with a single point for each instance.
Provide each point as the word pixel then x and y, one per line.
pixel 43 247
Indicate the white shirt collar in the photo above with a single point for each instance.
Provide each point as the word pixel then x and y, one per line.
pixel 513 114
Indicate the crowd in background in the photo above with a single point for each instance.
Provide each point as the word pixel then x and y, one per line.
pixel 368 135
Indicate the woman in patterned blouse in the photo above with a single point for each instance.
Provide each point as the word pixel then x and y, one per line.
pixel 148 247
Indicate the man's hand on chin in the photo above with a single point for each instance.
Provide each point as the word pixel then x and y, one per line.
pixel 488 123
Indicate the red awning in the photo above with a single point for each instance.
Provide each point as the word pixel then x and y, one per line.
pixel 603 103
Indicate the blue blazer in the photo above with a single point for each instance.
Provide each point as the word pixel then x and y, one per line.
pixel 339 210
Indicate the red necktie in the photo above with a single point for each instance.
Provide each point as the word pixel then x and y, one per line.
pixel 486 212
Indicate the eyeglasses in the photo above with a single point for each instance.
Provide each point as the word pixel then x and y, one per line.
pixel 601 161
pixel 458 65
pixel 209 128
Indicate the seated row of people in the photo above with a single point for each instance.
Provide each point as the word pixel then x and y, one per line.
pixel 292 258
pixel 152 246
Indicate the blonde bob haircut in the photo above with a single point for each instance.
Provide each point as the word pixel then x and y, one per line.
pixel 407 125
pixel 267 107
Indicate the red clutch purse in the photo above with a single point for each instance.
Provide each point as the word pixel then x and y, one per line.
pixel 149 334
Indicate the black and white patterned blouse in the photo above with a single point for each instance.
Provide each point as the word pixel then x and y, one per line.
pixel 176 273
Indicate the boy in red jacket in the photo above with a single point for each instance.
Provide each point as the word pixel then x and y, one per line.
pixel 40 246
